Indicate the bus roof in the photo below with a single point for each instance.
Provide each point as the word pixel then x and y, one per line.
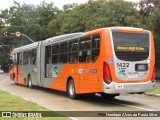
pixel 128 29
pixel 62 37
pixel 26 47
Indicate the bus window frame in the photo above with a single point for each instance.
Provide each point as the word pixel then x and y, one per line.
pixel 55 54
pixel 100 37
pixel 86 50
pixel 63 53
pixel 70 52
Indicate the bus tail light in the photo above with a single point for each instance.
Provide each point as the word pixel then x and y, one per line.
pixel 106 73
pixel 153 76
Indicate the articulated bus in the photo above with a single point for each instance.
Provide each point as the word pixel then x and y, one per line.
pixel 107 61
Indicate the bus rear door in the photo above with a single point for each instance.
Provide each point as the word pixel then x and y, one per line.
pixel 88 68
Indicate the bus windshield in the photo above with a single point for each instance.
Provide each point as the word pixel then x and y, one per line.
pixel 131 45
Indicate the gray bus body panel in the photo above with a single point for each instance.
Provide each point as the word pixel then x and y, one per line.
pixel 29 69
pixel 39 52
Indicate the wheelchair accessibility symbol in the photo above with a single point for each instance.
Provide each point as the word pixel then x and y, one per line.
pixel 110 61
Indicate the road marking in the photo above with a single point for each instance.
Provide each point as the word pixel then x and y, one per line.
pixel 17 95
pixel 3 89
pixel 72 118
pixel 134 106
pixel 13 93
pixel 26 99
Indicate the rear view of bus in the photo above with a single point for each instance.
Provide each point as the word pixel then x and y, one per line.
pixel 130 67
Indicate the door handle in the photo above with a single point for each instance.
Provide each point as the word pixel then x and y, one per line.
pixel 83 78
pixel 96 79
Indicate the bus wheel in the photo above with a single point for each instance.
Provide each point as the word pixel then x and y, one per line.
pixel 30 82
pixel 71 89
pixel 105 95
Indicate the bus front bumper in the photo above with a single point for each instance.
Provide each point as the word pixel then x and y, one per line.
pixel 114 87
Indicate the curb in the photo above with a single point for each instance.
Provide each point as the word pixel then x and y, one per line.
pixel 151 94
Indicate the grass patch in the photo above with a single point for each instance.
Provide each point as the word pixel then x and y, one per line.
pixel 9 102
pixel 157 79
pixel 155 91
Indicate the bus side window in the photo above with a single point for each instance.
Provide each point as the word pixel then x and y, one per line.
pixel 63 47
pixel 21 58
pixel 54 59
pixel 18 57
pixel 24 58
pixel 34 57
pixel 84 49
pixel 29 57
pixel 63 52
pixel 73 51
pixel 47 61
pixel 55 51
pixel 48 55
pixel 95 47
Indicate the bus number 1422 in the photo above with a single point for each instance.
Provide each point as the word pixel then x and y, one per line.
pixel 122 64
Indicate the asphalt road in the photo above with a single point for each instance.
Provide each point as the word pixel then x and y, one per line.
pixel 59 101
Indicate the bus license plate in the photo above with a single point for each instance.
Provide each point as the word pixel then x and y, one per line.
pixel 141 67
pixel 119 86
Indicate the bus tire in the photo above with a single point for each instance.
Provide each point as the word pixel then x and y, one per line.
pixel 105 95
pixel 71 89
pixel 30 82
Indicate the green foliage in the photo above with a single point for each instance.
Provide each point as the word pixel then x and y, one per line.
pixel 29 19
pixel 95 14
pixel 155 91
pixel 4 57
pixel 150 11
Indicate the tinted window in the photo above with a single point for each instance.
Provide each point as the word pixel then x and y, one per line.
pixel 20 58
pixel 84 43
pixel 73 45
pixel 73 57
pixel 48 54
pixel 25 58
pixel 95 47
pixel 63 58
pixel 55 49
pixel 85 49
pixel 63 47
pixel 96 41
pixel 63 52
pixel 54 59
pixel 131 46
pixel 130 41
pixel 73 51
pixel 33 57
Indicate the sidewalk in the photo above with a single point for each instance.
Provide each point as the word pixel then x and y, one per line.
pixel 157 85
pixel 150 94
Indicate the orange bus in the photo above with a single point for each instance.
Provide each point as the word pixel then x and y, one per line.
pixel 107 61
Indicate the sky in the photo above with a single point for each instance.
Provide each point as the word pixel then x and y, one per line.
pixel 57 3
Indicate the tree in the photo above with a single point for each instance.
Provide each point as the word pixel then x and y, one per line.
pixel 94 14
pixel 150 10
pixel 29 19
